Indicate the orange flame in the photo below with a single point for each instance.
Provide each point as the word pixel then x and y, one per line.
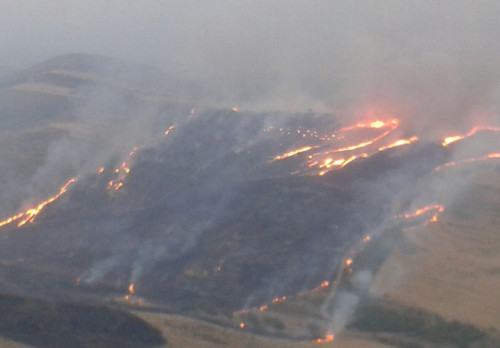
pixel 131 289
pixel 294 152
pixel 29 215
pixel 451 139
pixel 171 128
pixel 424 210
pixel 469 160
pixel 125 167
pixel 326 339
pixel 454 138
pixel 400 142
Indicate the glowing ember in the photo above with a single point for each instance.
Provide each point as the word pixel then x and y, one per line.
pixel 348 262
pixel 131 288
pixel 242 325
pixel 29 215
pixel 328 338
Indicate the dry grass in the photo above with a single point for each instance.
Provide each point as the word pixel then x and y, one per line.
pixel 454 270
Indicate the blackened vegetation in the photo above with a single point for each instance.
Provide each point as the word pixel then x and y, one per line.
pixel 49 324
pixel 206 217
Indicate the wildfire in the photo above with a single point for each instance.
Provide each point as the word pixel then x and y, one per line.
pixel 454 138
pixel 367 239
pixel 436 208
pixel 400 142
pixel 330 158
pixel 171 128
pixel 362 144
pixel 100 170
pixel 278 300
pixel 30 214
pixel 125 167
pixel 393 123
pixel 451 139
pixel 348 262
pixel 294 152
pixel 236 109
pixel 122 171
pixel 242 325
pixel 326 339
pixel 490 156
pixel 131 289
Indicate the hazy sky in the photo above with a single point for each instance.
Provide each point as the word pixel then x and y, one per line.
pixel 406 46
pixel 266 33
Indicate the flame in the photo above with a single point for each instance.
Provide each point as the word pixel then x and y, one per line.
pixel 436 208
pixel 454 138
pixel 362 144
pixel 451 139
pixel 469 160
pixel 326 339
pixel 424 210
pixel 131 289
pixel 125 167
pixel 367 239
pixel 294 152
pixel 263 308
pixel 236 109
pixel 386 127
pixel 278 300
pixel 171 128
pixel 348 262
pixel 134 150
pixel 29 215
pixel 100 170
pixel 242 325
pixel 399 142
pixel 393 123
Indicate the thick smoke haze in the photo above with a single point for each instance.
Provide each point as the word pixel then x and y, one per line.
pixel 417 59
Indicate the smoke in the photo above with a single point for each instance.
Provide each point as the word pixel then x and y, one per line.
pixel 346 302
pixel 428 60
pixel 434 65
